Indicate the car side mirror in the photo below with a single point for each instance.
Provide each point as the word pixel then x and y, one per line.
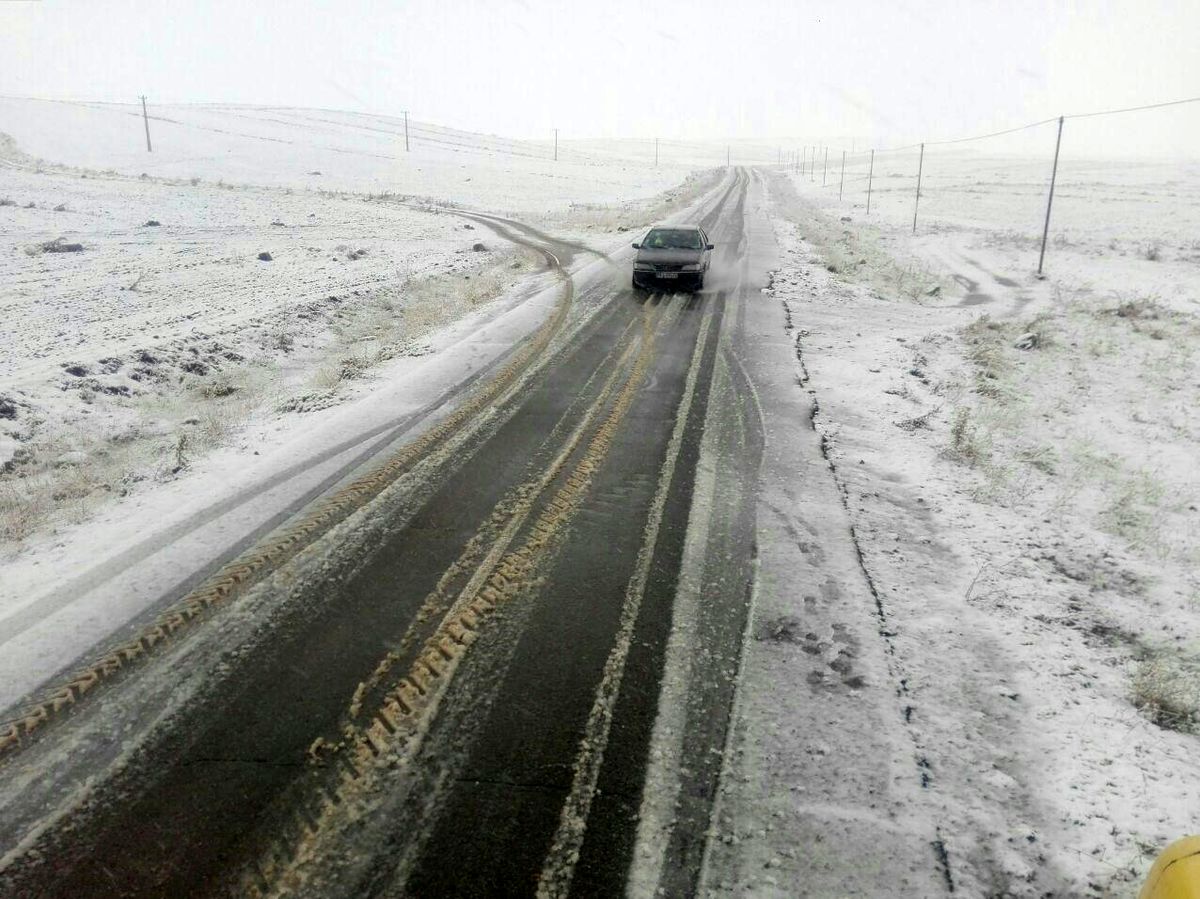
pixel 710 247
pixel 637 246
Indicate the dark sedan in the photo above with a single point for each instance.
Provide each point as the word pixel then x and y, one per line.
pixel 672 257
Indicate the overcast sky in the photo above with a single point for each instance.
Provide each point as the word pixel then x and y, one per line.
pixel 882 71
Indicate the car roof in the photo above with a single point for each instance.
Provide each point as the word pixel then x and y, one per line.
pixel 675 228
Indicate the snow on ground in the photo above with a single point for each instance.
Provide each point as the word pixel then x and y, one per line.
pixel 1019 458
pixel 164 368
pixel 315 150
pixel 152 329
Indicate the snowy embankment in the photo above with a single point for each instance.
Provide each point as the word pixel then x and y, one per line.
pixel 1019 461
pixel 235 325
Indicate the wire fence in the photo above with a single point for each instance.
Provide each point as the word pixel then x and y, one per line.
pixel 1008 180
pixel 1039 174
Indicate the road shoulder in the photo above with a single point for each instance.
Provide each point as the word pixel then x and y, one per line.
pixel 821 792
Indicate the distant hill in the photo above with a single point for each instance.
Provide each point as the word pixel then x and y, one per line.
pixel 337 150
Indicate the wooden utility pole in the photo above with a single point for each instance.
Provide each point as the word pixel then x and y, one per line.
pixel 917 202
pixel 825 172
pixel 727 156
pixel 146 122
pixel 842 183
pixel 656 152
pixel 870 177
pixel 556 145
pixel 1050 200
pixel 406 131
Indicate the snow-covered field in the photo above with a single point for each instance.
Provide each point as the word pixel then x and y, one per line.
pixel 1019 459
pixel 314 150
pixel 165 364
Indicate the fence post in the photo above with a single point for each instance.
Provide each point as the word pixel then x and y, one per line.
pixel 1050 199
pixel 870 176
pixel 842 183
pixel 917 201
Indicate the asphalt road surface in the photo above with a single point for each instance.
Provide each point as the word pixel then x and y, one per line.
pixel 450 689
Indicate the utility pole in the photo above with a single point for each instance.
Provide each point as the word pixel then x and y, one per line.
pixel 146 122
pixel 842 183
pixel 870 175
pixel 556 145
pixel 812 165
pixel 825 173
pixel 656 152
pixel 917 202
pixel 1050 200
pixel 803 159
pixel 406 131
pixel 727 156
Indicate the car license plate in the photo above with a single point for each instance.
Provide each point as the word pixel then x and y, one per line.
pixel 668 274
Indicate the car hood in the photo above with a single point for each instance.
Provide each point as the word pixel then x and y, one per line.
pixel 668 255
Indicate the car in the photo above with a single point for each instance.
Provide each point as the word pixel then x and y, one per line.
pixel 672 256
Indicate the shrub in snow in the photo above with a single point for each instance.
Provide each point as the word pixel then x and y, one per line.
pixel 60 245
pixel 1168 694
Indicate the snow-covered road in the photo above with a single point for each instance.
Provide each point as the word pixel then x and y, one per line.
pixel 560 583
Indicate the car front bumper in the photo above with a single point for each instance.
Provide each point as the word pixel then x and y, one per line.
pixel 666 280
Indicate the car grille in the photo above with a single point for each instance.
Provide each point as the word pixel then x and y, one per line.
pixel 668 267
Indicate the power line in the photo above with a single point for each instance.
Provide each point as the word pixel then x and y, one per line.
pixel 1088 115
pixel 1077 115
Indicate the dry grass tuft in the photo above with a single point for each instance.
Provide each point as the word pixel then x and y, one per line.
pixel 1167 693
pixel 967 442
pixel 988 352
pixel 22 511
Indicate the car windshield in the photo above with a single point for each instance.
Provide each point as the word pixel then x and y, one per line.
pixel 673 239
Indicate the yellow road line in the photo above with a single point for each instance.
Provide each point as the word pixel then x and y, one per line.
pixel 253 565
pixel 559 866
pixel 499 531
pixel 391 736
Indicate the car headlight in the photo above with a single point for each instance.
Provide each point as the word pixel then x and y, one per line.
pixel 643 267
pixel 691 267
